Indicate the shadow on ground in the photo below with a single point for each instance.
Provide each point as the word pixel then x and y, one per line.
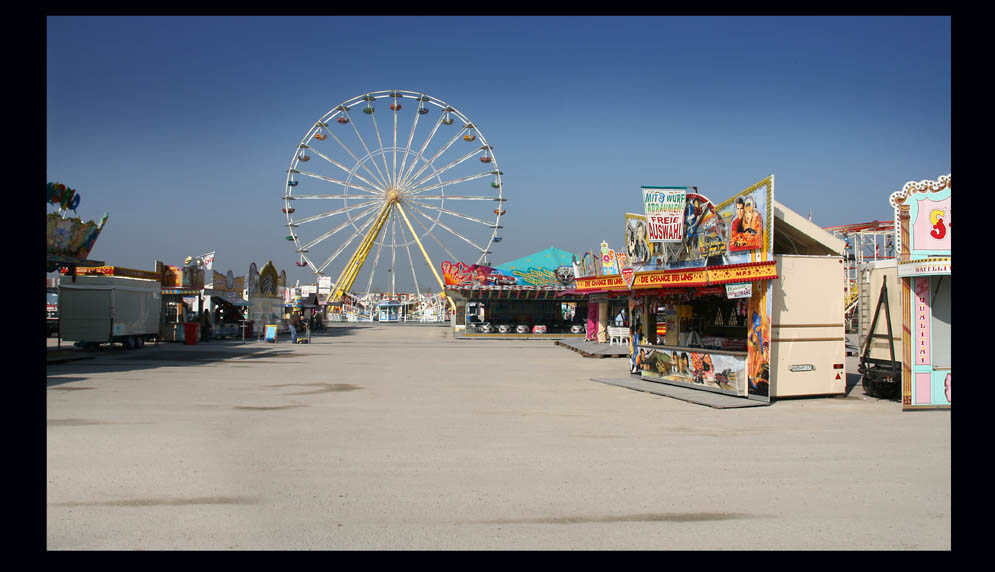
pixel 65 364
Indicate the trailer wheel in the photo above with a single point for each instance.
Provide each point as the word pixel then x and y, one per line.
pixel 139 342
pixel 129 343
pixel 879 389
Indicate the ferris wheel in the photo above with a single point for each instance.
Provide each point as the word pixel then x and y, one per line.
pixel 400 175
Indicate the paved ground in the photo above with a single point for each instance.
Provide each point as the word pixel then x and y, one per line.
pixel 380 437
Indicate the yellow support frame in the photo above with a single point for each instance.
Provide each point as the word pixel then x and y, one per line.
pixel 352 268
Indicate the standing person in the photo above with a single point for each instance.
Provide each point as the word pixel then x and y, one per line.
pixel 205 325
pixel 295 322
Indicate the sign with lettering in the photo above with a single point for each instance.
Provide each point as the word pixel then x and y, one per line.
pixel 664 207
pixel 925 267
pixel 683 278
pixel 742 272
pixel 739 290
pixel 672 278
pixel 922 320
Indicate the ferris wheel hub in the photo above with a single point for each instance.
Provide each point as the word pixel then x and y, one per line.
pixel 393 196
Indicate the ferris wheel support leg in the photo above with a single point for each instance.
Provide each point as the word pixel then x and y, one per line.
pixel 442 286
pixel 351 269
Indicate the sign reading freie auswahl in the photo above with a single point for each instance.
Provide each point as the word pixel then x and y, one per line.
pixel 664 207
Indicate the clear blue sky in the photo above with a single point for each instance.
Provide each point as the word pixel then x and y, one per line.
pixel 182 128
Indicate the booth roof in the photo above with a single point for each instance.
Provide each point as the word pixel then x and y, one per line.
pixel 804 236
pixel 550 258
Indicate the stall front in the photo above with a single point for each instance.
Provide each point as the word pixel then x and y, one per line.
pixel 717 302
pixel 530 297
pixel 266 298
pixel 923 224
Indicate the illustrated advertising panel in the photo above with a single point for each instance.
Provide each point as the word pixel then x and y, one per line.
pixel 639 249
pixel 715 371
pixel 229 284
pixel 460 274
pixel 737 231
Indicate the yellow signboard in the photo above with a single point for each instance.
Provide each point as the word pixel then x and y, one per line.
pixel 683 278
pixel 742 272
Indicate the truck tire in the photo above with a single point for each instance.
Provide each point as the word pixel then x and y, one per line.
pixel 129 343
pixel 140 342
pixel 879 389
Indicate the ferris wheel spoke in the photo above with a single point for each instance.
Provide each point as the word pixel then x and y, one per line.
pixel 344 168
pixel 460 198
pixel 487 223
pixel 393 253
pixel 335 230
pixel 383 156
pixel 429 162
pixel 419 190
pixel 369 153
pixel 393 171
pixel 421 151
pixel 376 262
pixel 336 181
pixel 353 155
pixel 319 197
pixel 438 172
pixel 430 233
pixel 411 136
pixel 411 260
pixel 333 212
pixel 338 251
pixel 453 232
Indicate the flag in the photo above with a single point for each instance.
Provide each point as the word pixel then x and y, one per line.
pixel 208 260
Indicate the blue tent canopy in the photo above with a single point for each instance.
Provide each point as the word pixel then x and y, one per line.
pixel 540 269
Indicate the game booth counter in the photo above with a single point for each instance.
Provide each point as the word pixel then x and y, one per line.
pixel 526 298
pixel 720 301
pixel 923 226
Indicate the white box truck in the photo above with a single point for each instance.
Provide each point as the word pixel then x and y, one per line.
pixel 96 310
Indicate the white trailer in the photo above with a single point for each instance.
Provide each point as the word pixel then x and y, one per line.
pixel 808 351
pixel 97 310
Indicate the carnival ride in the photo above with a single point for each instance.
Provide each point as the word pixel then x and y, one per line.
pixel 865 242
pixel 391 195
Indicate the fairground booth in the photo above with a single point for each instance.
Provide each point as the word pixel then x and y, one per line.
pixel 266 297
pixel 182 292
pixel 922 223
pixel 523 298
pixel 224 299
pixel 742 297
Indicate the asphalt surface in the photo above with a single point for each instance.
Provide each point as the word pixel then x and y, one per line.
pixel 401 438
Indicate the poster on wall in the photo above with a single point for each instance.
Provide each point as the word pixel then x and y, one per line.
pixel 758 339
pixel 609 263
pixel 637 245
pixel 749 217
pixel 664 209
pixel 723 372
pixel 704 236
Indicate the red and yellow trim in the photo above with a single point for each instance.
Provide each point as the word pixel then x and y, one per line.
pixel 682 278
